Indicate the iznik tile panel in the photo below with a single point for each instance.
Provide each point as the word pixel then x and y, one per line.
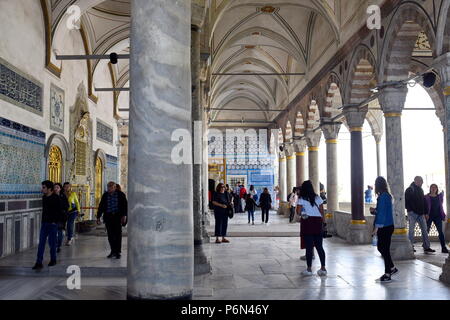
pixel 22 160
pixel 20 89
pixel 112 169
pixel 104 132
pixel 57 108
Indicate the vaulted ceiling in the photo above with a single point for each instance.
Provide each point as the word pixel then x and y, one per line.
pixel 274 36
pixel 292 39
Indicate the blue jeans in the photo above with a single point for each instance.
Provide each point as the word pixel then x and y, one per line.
pixel 413 218
pixel 70 222
pixel 59 237
pixel 251 213
pixel 47 230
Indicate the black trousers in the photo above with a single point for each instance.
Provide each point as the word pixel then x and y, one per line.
pixel 292 213
pixel 265 211
pixel 384 246
pixel 114 230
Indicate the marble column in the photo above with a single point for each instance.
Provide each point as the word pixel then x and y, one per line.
pixel 313 142
pixel 282 178
pixel 300 161
pixel 206 220
pixel 291 170
pixel 160 230
pixel 201 263
pixel 442 64
pixel 377 143
pixel 331 132
pixel 392 101
pixel 355 119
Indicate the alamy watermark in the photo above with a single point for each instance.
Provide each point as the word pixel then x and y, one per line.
pixel 74 280
pixel 374 19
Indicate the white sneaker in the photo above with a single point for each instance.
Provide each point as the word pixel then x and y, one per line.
pixel 321 273
pixel 307 273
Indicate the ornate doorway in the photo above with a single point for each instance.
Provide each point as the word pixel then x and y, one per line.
pixel 55 166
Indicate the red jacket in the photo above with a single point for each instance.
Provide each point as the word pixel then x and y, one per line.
pixel 242 193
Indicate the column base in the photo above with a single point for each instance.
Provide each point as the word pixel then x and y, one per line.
pixel 329 220
pixel 201 262
pixel 357 234
pixel 445 276
pixel 447 231
pixel 401 248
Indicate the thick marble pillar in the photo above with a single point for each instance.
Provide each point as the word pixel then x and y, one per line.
pixel 442 64
pixel 282 177
pixel 300 162
pixel 392 101
pixel 291 164
pixel 313 142
pixel 160 230
pixel 331 132
pixel 201 263
pixel 355 119
pixel 377 143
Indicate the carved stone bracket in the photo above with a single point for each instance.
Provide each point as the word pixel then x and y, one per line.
pixel 313 138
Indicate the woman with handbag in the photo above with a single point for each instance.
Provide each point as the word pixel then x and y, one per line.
pixel 310 207
pixel 222 208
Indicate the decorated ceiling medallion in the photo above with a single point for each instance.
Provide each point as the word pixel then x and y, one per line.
pixel 249 47
pixel 248 62
pixel 268 9
pixel 256 33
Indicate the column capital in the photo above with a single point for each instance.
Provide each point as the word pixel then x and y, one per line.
pixel 355 115
pixel 392 100
pixel 300 146
pixel 313 138
pixel 198 14
pixel 281 155
pixel 442 63
pixel 289 150
pixel 378 137
pixel 331 130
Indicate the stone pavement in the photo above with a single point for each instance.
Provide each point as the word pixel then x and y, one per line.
pixel 248 268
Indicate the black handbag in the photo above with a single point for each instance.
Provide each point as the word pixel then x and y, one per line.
pixel 230 209
pixel 230 212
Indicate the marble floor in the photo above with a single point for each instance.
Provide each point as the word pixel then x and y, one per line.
pixel 248 268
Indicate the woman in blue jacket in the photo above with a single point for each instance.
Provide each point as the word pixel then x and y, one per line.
pixel 384 226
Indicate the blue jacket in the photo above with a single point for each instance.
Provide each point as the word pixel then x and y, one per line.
pixel 384 216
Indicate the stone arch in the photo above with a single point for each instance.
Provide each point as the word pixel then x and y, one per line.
pixel 289 134
pixel 280 136
pixel 299 129
pixel 313 115
pixel 362 75
pixel 436 95
pixel 333 99
pixel 443 30
pixel 402 34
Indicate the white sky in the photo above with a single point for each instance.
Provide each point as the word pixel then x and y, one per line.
pixel 423 148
